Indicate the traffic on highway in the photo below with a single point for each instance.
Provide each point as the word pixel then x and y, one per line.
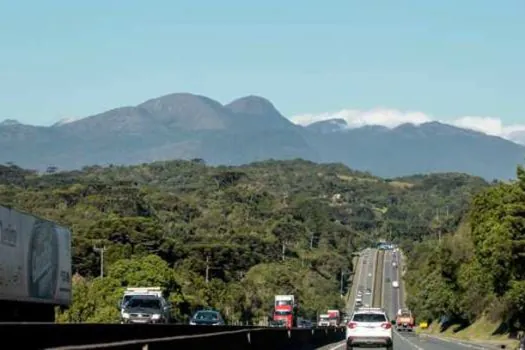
pixel 381 319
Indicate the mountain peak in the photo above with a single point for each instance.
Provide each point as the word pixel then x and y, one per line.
pixel 328 125
pixel 252 104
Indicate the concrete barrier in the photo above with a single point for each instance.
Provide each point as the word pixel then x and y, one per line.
pixel 159 337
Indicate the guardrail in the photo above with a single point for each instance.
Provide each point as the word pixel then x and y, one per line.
pixel 146 337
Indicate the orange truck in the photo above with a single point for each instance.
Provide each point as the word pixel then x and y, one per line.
pixel 404 320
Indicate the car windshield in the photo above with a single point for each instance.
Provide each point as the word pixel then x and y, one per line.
pixel 141 302
pixel 206 316
pixel 283 313
pixel 369 318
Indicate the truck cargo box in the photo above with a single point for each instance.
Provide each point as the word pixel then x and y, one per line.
pixel 35 259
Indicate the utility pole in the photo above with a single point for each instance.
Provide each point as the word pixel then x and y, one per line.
pixel 101 251
pixel 342 274
pixel 207 268
pixel 284 250
pixel 439 226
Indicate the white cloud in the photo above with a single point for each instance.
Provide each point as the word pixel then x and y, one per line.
pixel 392 118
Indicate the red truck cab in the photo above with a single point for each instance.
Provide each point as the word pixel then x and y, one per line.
pixel 284 313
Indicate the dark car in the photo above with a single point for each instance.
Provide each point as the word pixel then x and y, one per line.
pixel 146 309
pixel 304 324
pixel 207 318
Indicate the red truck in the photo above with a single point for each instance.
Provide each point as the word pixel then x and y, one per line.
pixel 334 317
pixel 284 309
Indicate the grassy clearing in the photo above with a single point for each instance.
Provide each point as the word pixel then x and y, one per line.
pixel 399 184
pixel 393 183
pixel 482 331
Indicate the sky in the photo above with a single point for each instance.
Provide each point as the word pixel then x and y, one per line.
pixel 370 62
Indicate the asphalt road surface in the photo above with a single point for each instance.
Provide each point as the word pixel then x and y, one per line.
pixel 365 276
pixel 392 299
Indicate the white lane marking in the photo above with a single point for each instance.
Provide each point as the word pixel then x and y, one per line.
pixel 338 346
pixel 467 345
pixel 408 341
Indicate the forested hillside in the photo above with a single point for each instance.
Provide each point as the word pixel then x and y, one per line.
pixel 479 270
pixel 229 237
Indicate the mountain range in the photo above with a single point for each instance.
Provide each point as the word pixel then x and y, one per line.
pixel 188 126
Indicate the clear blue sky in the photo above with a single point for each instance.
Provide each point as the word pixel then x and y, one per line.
pixel 448 58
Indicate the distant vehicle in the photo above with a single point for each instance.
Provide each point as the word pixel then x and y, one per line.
pixel 368 291
pixel 395 284
pixel 145 309
pixel 324 320
pixel 358 303
pixel 304 324
pixel 334 316
pixel 404 320
pixel 285 309
pixel 207 318
pixel 368 328
pixel 394 264
pixel 138 291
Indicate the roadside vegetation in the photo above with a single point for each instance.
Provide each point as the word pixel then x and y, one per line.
pixel 473 280
pixel 229 237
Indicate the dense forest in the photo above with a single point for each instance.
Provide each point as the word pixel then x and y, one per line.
pixel 230 237
pixel 477 270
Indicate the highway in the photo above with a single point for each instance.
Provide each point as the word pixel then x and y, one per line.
pixel 392 300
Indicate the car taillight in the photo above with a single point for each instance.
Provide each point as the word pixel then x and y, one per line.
pixel 352 325
pixel 386 325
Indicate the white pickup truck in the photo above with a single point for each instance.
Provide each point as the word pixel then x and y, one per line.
pixel 369 327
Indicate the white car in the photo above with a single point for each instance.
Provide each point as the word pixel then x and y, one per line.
pixel 369 328
pixel 395 284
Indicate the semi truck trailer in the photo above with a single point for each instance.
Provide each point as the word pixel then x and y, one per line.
pixel 35 267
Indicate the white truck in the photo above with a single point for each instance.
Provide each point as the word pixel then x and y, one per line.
pixel 138 291
pixel 324 320
pixel 35 267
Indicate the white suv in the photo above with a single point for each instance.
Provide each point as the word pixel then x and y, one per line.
pixel 369 327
